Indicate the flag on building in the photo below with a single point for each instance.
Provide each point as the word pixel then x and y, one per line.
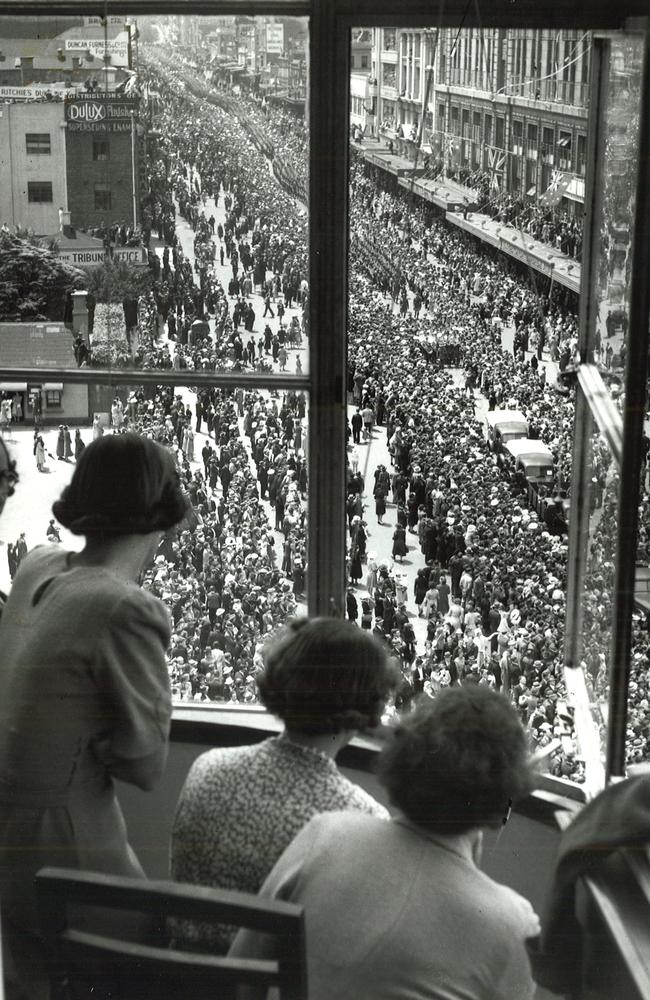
pixel 453 151
pixel 496 167
pixel 560 184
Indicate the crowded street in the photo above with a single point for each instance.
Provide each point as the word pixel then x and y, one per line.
pixel 456 559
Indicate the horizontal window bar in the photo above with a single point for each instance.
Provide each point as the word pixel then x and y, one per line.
pixel 154 376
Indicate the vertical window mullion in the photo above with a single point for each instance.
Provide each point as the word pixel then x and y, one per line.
pixel 581 459
pixel 637 344
pixel 328 162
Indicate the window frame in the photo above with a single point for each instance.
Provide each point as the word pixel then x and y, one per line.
pixel 329 78
pixel 31 189
pixel 37 139
pixel 102 188
pixel 104 141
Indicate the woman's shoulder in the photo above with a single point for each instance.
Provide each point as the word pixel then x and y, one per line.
pixel 336 828
pixel 221 764
pixel 515 911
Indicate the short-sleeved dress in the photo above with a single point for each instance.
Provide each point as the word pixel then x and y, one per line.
pixel 83 687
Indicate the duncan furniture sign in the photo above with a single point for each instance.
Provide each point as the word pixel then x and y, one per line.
pixel 100 114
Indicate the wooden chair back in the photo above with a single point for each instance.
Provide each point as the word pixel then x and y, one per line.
pixel 114 966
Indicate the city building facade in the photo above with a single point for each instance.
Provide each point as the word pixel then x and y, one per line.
pixel 69 136
pixel 509 104
pixel 32 165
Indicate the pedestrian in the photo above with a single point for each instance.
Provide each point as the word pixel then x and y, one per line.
pixel 60 444
pixel 39 452
pixel 78 445
pixel 368 416
pixel 357 423
pixel 67 443
pixel 400 548
pixel 380 505
pixel 98 430
pixel 351 606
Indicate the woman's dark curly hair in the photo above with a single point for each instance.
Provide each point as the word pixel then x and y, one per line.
pixel 123 484
pixel 458 761
pixel 325 675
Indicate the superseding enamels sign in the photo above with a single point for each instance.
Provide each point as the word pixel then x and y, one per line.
pixel 100 114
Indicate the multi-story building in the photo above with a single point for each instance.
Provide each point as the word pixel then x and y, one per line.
pixel 363 85
pixel 511 104
pixel 68 132
pixel 32 165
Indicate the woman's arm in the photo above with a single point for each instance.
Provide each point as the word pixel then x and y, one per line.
pixel 132 681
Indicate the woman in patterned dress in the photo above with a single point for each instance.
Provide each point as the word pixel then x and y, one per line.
pixel 241 806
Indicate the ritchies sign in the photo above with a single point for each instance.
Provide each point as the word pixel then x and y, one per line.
pixel 88 115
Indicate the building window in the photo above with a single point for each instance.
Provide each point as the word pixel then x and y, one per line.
pixel 101 149
pixel 39 191
pixel 364 62
pixel 389 75
pixel 53 399
pixel 564 150
pixel 581 161
pixel 38 143
pixel 102 197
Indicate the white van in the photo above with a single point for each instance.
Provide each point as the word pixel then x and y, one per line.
pixel 503 426
pixel 533 458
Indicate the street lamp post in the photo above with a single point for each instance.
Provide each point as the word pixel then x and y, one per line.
pixel 133 176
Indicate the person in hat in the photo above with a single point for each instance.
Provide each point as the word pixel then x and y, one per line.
pixel 78 631
pixel 326 679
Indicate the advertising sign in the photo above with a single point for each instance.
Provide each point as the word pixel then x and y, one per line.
pixel 100 114
pixel 94 256
pixel 275 39
pixel 112 21
pixel 528 258
pixel 28 93
pixel 117 48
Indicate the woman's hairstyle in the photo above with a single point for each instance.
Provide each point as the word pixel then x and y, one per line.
pixel 325 675
pixel 123 484
pixel 458 761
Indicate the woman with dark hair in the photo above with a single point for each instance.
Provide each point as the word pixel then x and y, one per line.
pixel 241 807
pixel 401 908
pixel 84 687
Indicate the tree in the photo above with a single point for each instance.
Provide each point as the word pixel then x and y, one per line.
pixel 115 281
pixel 34 282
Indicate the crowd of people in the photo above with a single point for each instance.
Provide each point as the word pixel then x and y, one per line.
pixel 544 221
pixel 426 302
pixel 441 300
pixel 224 584
pixel 469 521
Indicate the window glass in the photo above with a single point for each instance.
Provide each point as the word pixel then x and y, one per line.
pixel 169 233
pixel 37 143
pixel 39 191
pixel 176 190
pixel 464 274
pixel 235 570
pixel 103 197
pixel 621 148
pixel 101 149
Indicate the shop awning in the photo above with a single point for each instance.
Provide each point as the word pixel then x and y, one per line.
pixel 13 386
pixel 53 386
